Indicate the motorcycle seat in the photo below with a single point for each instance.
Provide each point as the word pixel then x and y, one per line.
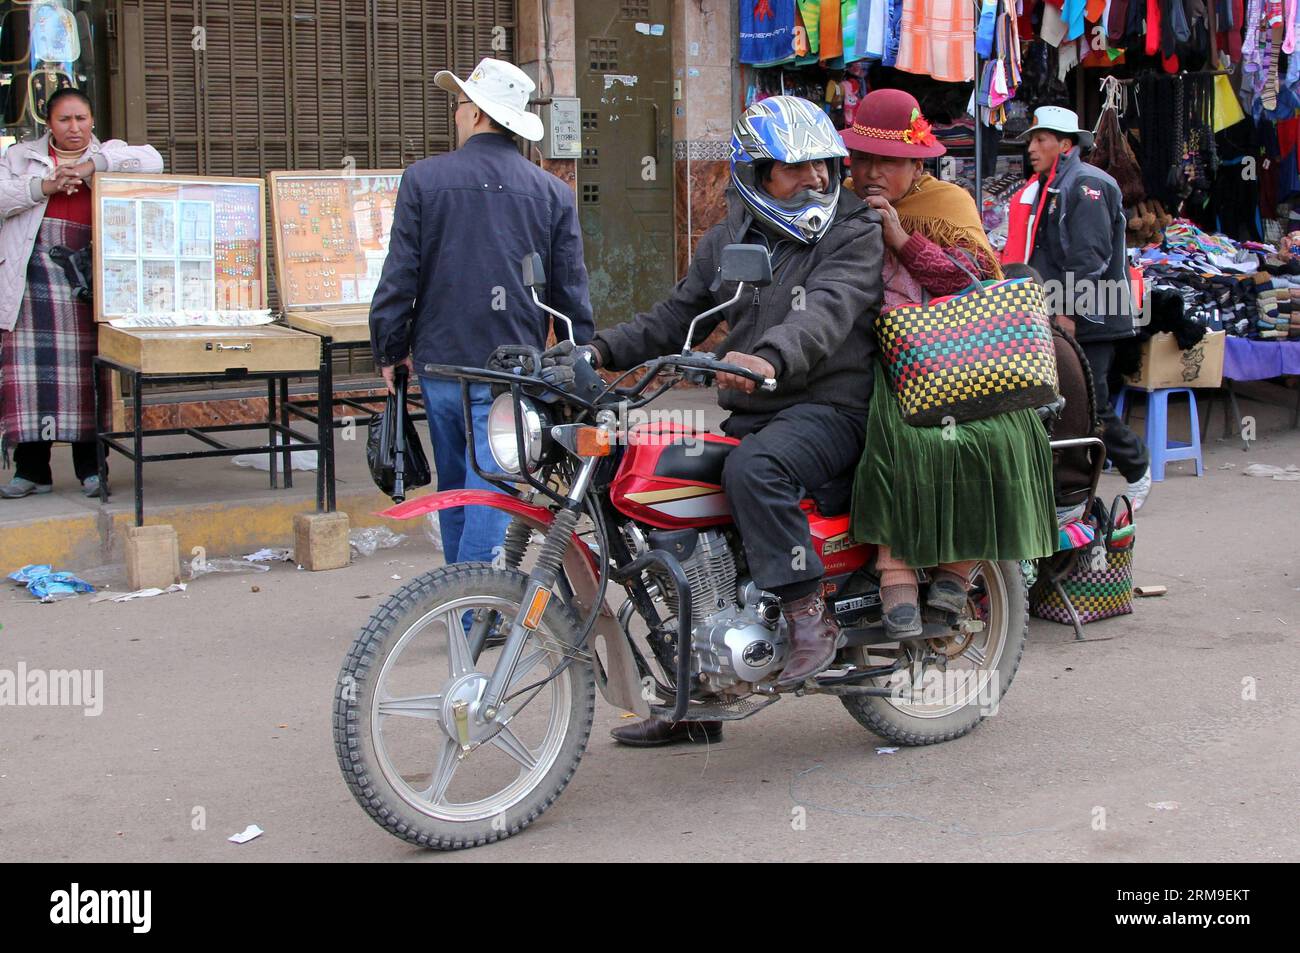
pixel 702 462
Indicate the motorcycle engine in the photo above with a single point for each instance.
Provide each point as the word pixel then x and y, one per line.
pixel 742 644
pixel 738 634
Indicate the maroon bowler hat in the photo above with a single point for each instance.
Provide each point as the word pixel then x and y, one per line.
pixel 888 122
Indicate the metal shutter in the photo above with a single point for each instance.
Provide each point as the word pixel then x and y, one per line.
pixel 295 84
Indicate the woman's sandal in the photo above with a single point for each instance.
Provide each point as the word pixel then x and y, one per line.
pixel 903 621
pixel 946 595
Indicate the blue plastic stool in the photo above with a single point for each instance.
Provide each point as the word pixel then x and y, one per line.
pixel 1161 448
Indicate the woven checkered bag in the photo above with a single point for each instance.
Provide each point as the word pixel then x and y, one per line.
pixel 984 352
pixel 1096 594
pixel 1101 583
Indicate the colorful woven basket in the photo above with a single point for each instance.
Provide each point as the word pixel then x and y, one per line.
pixel 1096 594
pixel 1100 585
pixel 984 352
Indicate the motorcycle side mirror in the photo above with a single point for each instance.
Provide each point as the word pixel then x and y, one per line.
pixel 748 263
pixel 534 278
pixel 534 273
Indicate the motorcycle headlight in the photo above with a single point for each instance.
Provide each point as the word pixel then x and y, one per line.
pixel 501 434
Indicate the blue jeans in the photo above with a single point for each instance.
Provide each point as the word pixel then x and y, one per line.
pixel 469 533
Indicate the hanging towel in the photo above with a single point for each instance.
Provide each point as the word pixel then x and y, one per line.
pixel 810 12
pixel 985 29
pixel 1117 19
pixel 873 17
pixel 1053 29
pixel 935 39
pixel 832 34
pixel 1072 14
pixel 766 31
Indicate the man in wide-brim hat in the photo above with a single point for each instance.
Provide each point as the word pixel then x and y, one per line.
pixel 1068 223
pixel 452 289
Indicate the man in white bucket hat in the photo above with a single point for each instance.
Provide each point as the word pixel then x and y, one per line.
pixel 452 288
pixel 499 90
pixel 1069 225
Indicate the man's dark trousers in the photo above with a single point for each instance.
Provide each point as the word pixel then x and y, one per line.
pixel 1124 447
pixel 782 457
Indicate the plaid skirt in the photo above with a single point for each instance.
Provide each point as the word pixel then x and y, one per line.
pixel 46 374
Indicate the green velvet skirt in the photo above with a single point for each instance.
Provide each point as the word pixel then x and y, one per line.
pixel 978 490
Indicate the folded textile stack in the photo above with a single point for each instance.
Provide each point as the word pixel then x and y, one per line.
pixel 956 135
pixel 1216 301
pixel 1278 289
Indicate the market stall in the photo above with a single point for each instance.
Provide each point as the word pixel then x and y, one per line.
pixel 181 298
pixel 331 238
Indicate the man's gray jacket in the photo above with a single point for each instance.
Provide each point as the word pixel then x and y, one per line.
pixel 1080 249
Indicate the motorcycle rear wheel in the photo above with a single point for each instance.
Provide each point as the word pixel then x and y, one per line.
pixel 386 760
pixel 957 703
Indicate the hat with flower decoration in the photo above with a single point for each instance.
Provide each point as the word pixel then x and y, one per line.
pixel 888 122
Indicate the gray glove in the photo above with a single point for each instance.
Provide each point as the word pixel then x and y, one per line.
pixel 558 362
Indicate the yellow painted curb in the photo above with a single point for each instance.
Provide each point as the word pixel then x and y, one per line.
pixel 222 529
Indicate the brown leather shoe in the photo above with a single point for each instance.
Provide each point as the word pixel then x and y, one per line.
pixel 812 640
pixel 654 732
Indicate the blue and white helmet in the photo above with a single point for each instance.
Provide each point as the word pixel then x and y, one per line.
pixel 787 129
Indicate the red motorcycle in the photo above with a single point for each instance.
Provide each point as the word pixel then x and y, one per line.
pixel 465 704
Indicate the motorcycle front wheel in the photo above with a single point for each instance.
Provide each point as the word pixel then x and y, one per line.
pixel 945 687
pixel 411 751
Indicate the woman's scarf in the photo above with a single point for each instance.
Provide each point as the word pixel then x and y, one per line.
pixel 946 214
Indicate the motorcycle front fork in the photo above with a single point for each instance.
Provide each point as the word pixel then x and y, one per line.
pixel 542 582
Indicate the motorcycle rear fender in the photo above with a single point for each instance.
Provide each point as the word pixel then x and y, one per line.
pixel 615 671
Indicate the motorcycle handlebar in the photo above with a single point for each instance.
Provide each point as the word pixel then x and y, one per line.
pixel 712 366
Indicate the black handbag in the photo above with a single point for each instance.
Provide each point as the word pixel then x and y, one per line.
pixel 393 448
pixel 79 268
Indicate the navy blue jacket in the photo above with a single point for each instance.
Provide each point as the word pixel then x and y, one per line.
pixel 452 289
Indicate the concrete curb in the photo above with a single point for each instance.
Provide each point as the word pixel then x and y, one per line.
pixel 222 529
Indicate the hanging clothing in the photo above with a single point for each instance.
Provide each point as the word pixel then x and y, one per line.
pixel 935 39
pixel 1153 27
pixel 832 34
pixel 1053 28
pixel 893 33
pixel 849 20
pixel 873 18
pixel 810 13
pixel 766 31
pixel 1230 17
pixel 1072 13
pixel 1117 20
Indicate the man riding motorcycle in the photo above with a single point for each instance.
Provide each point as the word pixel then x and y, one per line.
pixel 810 330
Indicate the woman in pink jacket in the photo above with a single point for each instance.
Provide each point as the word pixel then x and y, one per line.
pixel 47 331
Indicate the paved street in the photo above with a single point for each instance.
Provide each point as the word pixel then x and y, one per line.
pixel 219 698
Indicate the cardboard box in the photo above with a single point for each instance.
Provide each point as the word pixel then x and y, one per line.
pixel 153 558
pixel 1164 365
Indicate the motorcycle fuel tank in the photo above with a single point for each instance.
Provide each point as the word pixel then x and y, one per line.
pixel 671 477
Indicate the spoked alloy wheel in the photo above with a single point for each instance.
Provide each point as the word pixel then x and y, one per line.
pixel 932 702
pixel 411 739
